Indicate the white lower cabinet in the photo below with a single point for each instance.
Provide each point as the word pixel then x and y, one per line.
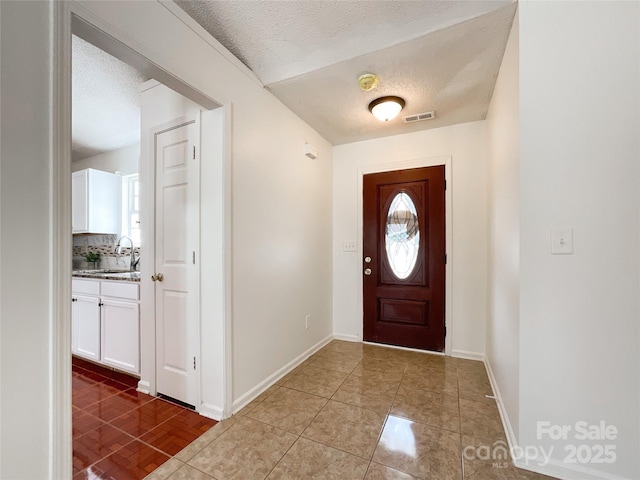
pixel 120 339
pixel 86 327
pixel 106 323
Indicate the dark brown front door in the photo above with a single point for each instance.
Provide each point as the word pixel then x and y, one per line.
pixel 404 258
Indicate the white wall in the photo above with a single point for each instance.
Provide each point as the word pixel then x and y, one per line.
pixel 124 160
pixel 25 303
pixel 281 239
pixel 291 210
pixel 503 279
pixel 278 195
pixel 466 143
pixel 579 154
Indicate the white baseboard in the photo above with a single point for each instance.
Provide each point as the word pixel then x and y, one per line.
pixel 210 411
pixel 563 471
pixel 504 416
pixel 553 468
pixel 144 387
pixel 467 355
pixel 347 338
pixel 252 394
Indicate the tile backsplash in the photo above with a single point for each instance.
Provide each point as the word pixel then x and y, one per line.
pixel 104 245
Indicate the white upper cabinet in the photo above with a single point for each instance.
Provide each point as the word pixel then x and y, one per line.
pixel 96 201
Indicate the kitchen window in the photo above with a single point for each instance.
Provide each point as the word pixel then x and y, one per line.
pixel 131 208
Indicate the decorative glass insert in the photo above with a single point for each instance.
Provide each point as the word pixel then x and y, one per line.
pixel 402 235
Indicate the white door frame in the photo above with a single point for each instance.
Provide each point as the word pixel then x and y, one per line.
pixel 417 163
pixel 64 15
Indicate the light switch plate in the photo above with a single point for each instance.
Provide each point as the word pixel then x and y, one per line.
pixel 562 241
pixel 349 246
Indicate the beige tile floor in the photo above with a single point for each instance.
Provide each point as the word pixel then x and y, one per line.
pixel 355 411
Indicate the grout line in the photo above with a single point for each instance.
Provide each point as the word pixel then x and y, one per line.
pixel 283 455
pixel 460 423
pixel 403 377
pixel 106 456
pixel 366 472
pixel 132 438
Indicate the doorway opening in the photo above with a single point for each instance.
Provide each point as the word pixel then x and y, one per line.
pixel 102 35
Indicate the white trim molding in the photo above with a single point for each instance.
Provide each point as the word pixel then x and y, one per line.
pixel 227 261
pixel 468 355
pixel 562 471
pixel 211 411
pixel 256 391
pixel 506 423
pixel 553 468
pixel 347 338
pixel 144 387
pixel 60 213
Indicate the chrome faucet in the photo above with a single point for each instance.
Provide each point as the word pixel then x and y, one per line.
pixel 134 261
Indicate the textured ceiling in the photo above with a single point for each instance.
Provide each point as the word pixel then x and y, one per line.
pixel 106 105
pixel 437 55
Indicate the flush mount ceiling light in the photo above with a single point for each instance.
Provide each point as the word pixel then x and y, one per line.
pixel 386 108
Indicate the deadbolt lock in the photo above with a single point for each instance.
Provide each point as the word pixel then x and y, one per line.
pixel 367 259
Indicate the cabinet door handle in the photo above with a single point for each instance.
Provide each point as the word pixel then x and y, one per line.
pixel 74 299
pixel 157 277
pixel 100 304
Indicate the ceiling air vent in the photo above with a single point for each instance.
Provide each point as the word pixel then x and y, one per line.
pixel 418 117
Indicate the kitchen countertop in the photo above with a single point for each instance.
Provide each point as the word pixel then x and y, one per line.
pixel 121 275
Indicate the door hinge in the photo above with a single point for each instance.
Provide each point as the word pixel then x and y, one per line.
pixel 194 363
pixel 445 258
pixel 194 152
pixel 445 184
pixel 193 257
pixel 445 331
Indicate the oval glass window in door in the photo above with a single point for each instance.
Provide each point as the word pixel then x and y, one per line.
pixel 402 235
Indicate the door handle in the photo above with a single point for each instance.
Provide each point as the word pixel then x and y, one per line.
pixel 367 271
pixel 157 277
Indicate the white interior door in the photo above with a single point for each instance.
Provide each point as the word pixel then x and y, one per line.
pixel 176 246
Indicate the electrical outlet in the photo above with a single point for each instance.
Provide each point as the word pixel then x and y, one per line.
pixel 307 321
pixel 349 246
